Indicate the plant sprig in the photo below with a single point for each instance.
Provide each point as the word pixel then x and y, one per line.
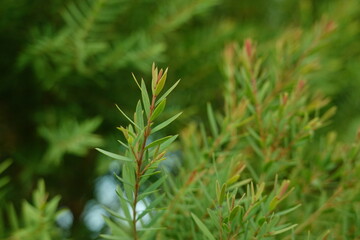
pixel 144 156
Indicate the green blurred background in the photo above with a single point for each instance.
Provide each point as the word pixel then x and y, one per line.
pixel 65 64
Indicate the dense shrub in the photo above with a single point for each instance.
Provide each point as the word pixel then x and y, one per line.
pixel 266 146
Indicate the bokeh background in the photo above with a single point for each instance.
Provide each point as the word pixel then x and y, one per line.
pixel 65 64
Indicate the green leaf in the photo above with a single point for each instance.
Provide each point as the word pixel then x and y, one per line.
pixel 254 134
pixel 138 137
pixel 151 229
pixel 168 92
pixel 120 193
pixel 114 214
pixel 122 180
pixel 213 126
pixel 13 221
pixel 167 143
pixel 165 123
pixel 150 172
pixel 282 230
pixel 154 71
pixel 52 205
pixel 136 81
pixel 68 135
pixel 129 176
pixel 145 98
pixel 284 212
pixel 39 197
pixel 234 212
pixel 158 110
pixel 214 217
pixel 157 142
pixel 202 227
pixel 220 192
pixel 138 117
pixel 116 230
pixel 125 205
pixel 123 144
pixel 255 146
pixel 4 165
pixel 129 119
pixel 3 181
pixel 114 155
pixel 161 83
pixel 29 213
pixel 152 187
pixel 152 206
pixel 145 194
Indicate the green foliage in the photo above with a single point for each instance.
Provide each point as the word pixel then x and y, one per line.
pixel 70 137
pixel 258 118
pixel 250 216
pixel 87 44
pixel 4 180
pixel 37 220
pixel 140 162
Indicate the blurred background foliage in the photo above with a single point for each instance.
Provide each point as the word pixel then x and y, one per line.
pixel 65 63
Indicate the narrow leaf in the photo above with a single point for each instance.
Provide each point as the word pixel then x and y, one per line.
pixel 158 110
pixel 153 204
pixel 167 143
pixel 282 230
pixel 151 229
pixel 13 221
pixel 138 117
pixel 124 206
pixel 114 155
pixel 154 186
pixel 136 81
pixel 213 126
pixel 168 92
pixel 164 124
pixel 154 72
pixel 145 98
pixel 202 227
pixel 281 213
pixel 115 229
pixel 150 172
pixel 161 83
pixel 129 119
pixel 129 176
pixel 122 180
pixel 4 165
pixel 145 194
pixel 157 142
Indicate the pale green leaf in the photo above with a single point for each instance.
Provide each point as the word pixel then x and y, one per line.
pixel 157 142
pixel 114 155
pixel 138 117
pixel 168 92
pixel 165 123
pixel 202 227
pixel 145 98
pixel 129 119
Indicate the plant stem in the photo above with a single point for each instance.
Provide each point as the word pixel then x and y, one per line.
pixel 139 160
